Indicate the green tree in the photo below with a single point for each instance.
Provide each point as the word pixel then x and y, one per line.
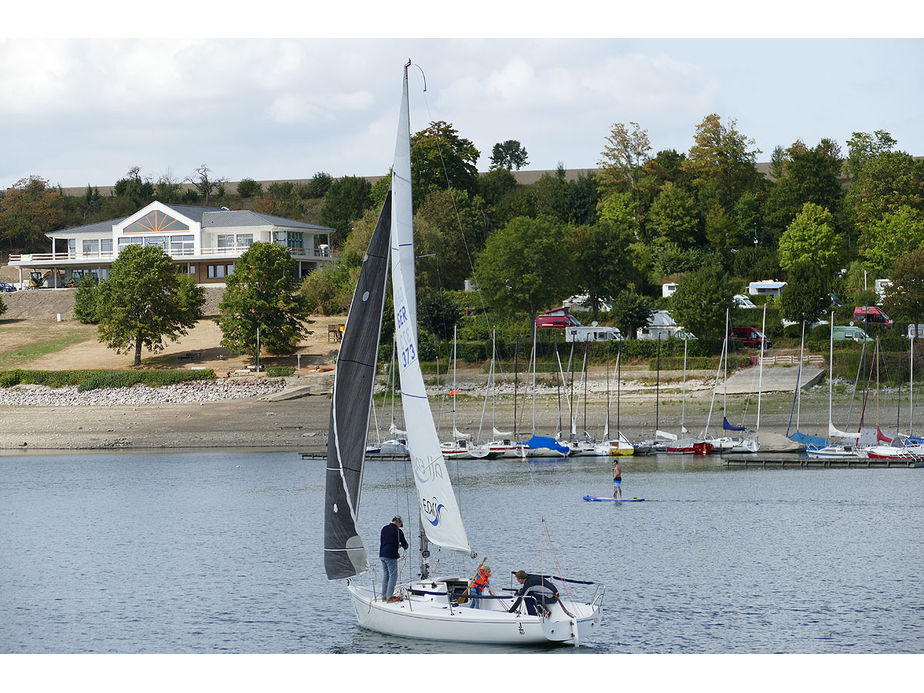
pixel 623 156
pixel 145 300
pixel 631 312
pixel 27 211
pixel 700 302
pixel 167 189
pixel 441 159
pixel 582 200
pixel 905 297
pixel 438 313
pixel 519 271
pixel 346 200
pixel 494 185
pixel 811 236
pixel 620 210
pixel 674 217
pixel 722 161
pixel 319 184
pixel 805 296
pixel 2 306
pixel 721 231
pixel 864 146
pixel 603 256
pixel 248 188
pixel 509 154
pixel 263 294
pixel 896 232
pixel 449 231
pixel 86 299
pixel 137 191
pixel 885 183
pixel 550 195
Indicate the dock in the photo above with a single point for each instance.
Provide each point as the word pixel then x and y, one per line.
pixel 322 455
pixel 798 460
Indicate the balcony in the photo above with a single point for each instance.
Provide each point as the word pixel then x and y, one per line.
pixel 107 256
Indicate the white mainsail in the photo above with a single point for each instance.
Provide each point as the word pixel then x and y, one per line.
pixel 439 510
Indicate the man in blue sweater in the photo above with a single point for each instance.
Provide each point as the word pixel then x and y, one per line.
pixel 392 537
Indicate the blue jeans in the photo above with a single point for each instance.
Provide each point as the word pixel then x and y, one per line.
pixel 476 592
pixel 389 576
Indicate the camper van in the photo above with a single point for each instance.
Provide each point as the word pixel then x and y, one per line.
pixel 662 326
pixel 556 318
pixel 592 333
pixel 872 314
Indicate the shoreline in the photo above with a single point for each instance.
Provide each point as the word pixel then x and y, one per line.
pixel 297 418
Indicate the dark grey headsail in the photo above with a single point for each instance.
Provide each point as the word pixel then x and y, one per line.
pixel 344 554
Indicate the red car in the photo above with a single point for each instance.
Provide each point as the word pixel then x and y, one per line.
pixel 557 317
pixel 747 336
pixel 872 314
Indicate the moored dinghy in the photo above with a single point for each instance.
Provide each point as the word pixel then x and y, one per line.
pixel 428 607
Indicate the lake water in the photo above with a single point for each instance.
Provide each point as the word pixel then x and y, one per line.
pixel 218 551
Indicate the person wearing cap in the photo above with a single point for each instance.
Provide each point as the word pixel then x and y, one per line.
pixel 535 591
pixel 392 537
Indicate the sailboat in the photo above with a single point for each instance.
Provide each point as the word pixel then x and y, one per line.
pixel 620 445
pixel 835 451
pixel 461 446
pixel 427 607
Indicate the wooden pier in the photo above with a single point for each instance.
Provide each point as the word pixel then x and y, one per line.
pixel 795 460
pixel 319 455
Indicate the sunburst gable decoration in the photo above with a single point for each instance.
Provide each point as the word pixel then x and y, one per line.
pixel 156 221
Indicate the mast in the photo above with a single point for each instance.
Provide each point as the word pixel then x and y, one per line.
pixel 683 395
pixel 760 372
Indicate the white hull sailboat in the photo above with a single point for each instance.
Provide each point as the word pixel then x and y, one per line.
pixel 426 607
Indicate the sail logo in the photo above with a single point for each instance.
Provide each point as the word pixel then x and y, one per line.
pixel 427 470
pixel 432 509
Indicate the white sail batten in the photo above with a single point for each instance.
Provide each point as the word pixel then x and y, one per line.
pixel 438 506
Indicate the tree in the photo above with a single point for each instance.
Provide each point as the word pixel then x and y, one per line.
pixel 167 189
pixel 520 269
pixel 620 210
pixel 674 216
pixel 145 300
pixel 811 237
pixel 27 211
pixel 86 299
pixel 441 159
pixel 438 313
pixel 205 185
pixel 449 231
pixel 345 201
pixel 550 195
pixel 137 191
pixel 622 159
pixel 602 254
pixel 631 312
pixel 863 146
pixel 700 302
pixel 905 297
pixel 722 162
pixel 248 187
pixel 805 296
pixel 885 182
pixel 2 306
pixel 262 294
pixel 509 154
pixel 897 232
pixel 494 185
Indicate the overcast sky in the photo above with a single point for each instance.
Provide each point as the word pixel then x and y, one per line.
pixel 79 111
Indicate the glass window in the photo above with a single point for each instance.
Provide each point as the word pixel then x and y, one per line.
pixel 245 239
pixel 216 271
pixel 296 239
pixel 226 240
pixel 182 245
pixel 105 245
pixel 125 242
pixel 71 246
pixel 159 241
pixel 157 222
pixel 91 247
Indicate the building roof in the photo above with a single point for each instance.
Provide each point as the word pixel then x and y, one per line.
pixel 208 217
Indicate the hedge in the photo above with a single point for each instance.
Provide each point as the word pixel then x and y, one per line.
pixel 95 379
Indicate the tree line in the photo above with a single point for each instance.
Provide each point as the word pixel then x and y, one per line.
pixel 824 220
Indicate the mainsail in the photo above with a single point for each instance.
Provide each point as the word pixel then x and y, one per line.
pixel 439 510
pixel 344 554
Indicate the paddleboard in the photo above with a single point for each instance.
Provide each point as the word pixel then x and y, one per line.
pixel 614 500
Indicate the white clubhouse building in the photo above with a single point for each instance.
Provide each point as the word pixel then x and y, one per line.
pixel 204 241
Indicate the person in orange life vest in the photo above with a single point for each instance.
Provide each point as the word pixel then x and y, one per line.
pixel 479 585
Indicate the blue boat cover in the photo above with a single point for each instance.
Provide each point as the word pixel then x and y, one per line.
pixel 546 442
pixel 728 427
pixel 810 442
pixel 914 440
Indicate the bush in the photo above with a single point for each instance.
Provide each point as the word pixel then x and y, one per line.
pixel 92 380
pixel 280 371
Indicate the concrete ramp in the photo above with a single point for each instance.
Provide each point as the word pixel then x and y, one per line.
pixel 774 379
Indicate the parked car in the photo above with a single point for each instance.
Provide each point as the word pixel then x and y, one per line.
pixel 7 287
pixel 748 336
pixel 556 318
pixel 872 314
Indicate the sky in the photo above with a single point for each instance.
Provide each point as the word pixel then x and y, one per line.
pixel 84 101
